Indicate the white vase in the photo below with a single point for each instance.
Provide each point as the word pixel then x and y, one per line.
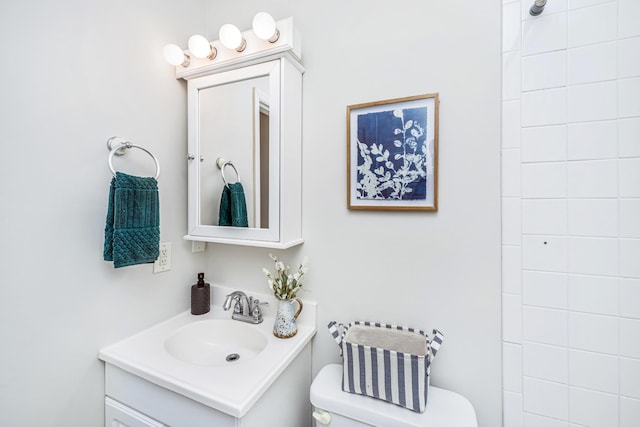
pixel 285 324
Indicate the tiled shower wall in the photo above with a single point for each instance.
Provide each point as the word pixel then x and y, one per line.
pixel 571 213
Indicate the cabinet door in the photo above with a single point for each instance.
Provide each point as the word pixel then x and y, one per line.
pixel 119 415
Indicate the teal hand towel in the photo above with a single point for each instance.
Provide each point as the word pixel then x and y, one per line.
pixel 132 230
pixel 233 206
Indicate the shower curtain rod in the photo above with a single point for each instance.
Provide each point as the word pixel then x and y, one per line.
pixel 537 7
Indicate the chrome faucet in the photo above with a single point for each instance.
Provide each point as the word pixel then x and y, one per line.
pixel 246 309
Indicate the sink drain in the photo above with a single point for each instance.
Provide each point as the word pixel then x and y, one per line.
pixel 233 357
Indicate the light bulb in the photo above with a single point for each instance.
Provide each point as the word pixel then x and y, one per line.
pixel 231 37
pixel 174 55
pixel 264 26
pixel 201 48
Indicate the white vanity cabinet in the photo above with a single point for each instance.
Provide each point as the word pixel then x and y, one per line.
pixel 135 402
pixel 266 383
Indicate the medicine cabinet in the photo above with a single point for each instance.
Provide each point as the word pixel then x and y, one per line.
pixel 245 125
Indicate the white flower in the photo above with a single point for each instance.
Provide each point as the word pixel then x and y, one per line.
pixel 283 283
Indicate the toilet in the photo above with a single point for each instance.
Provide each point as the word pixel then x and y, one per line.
pixel 336 408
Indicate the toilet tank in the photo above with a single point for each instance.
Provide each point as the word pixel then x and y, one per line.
pixel 336 408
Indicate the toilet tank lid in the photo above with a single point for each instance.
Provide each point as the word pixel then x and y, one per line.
pixel 444 408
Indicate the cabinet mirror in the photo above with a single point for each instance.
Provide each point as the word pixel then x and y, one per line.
pixel 244 129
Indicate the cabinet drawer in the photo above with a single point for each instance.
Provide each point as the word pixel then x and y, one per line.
pixel 119 415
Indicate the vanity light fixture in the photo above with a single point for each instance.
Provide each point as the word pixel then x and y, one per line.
pixel 201 48
pixel 231 37
pixel 175 56
pixel 264 26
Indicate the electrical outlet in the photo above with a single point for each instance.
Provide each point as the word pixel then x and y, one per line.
pixel 198 246
pixel 163 263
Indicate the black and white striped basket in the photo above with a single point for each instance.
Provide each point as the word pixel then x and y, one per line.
pixel 387 362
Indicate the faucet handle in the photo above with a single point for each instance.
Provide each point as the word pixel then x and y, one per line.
pixel 256 312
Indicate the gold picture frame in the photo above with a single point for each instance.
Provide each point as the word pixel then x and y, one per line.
pixel 392 154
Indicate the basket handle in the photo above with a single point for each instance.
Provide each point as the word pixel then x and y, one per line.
pixel 335 333
pixel 436 342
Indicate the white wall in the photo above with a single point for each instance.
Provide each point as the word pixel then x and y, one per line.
pixel 422 269
pixel 571 213
pixel 74 74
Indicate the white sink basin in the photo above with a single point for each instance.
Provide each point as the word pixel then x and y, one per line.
pixel 187 354
pixel 215 342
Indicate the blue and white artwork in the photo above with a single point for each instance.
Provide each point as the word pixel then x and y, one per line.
pixel 392 155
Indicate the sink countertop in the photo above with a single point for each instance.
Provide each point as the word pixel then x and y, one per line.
pixel 231 388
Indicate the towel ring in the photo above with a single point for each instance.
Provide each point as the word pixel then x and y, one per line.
pixel 221 164
pixel 122 147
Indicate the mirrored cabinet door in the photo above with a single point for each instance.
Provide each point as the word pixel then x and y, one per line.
pixel 244 155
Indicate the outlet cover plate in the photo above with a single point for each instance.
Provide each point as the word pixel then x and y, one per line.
pixel 163 263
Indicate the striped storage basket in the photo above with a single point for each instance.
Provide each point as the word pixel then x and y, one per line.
pixel 387 362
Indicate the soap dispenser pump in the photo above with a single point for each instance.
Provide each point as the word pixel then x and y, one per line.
pixel 200 296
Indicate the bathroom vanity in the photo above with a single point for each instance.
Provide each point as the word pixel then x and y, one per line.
pixel 209 370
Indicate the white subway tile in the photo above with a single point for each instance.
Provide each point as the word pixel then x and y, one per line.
pixel 594 294
pixel 630 298
pixel 511 270
pixel 593 178
pixel 630 377
pixel 546 253
pixel 512 409
pixel 544 143
pixel 629 13
pixel 512 367
pixel 511 318
pixel 511 28
pixel 629 177
pixel 546 398
pixel 543 289
pixel 544 34
pixel 576 4
pixel 544 180
pixel 629 57
pixel 511 75
pixel 544 71
pixel 629 412
pixel 629 137
pixel 629 97
pixel 594 371
pixel 511 221
pixel 594 101
pixel 544 216
pixel 592 63
pixel 593 408
pixel 545 362
pixel 511 124
pixel 533 420
pixel 593 140
pixel 593 217
pixel 629 217
pixel 593 255
pixel 629 256
pixel 544 107
pixel 593 332
pixel 630 338
pixel 544 326
pixel 590 25
pixel 511 175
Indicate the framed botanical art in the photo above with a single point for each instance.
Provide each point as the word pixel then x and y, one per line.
pixel 392 154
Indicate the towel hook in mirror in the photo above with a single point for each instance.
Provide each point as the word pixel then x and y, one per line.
pixel 221 162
